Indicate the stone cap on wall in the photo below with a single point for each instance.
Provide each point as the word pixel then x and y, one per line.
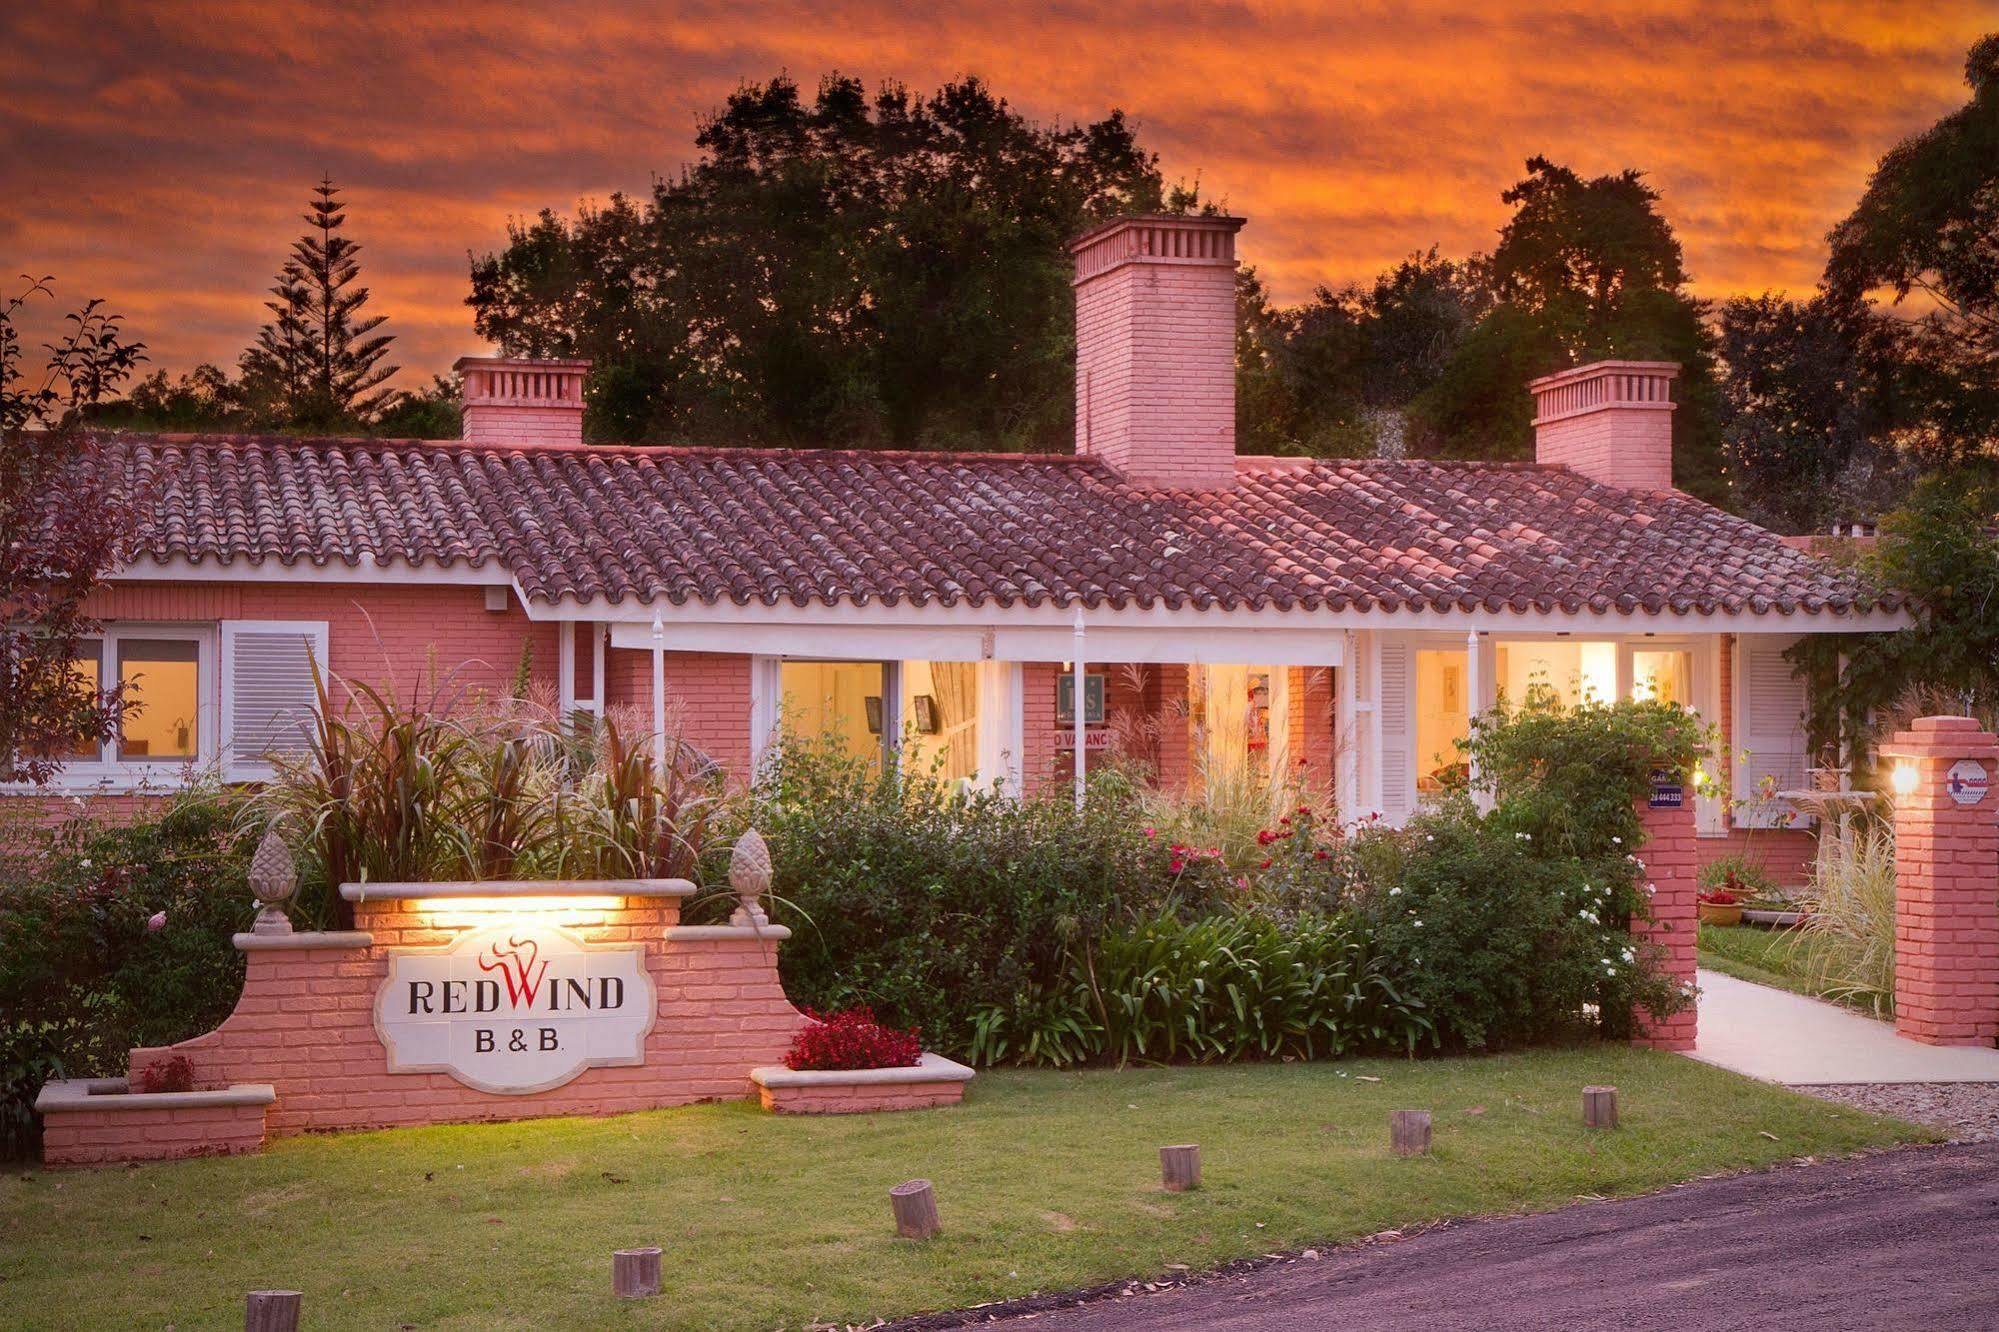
pixel 414 892
pixel 931 1068
pixel 1929 737
pixel 71 1094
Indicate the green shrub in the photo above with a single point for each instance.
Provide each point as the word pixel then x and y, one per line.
pixel 85 975
pixel 1504 942
pixel 929 904
pixel 1227 986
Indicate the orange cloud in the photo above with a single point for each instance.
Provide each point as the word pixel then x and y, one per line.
pixel 159 155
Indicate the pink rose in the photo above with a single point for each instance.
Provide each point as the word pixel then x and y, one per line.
pixel 156 922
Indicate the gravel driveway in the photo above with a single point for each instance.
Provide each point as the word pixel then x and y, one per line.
pixel 1901 1239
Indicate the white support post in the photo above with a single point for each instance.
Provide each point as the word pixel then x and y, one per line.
pixel 658 695
pixel 1079 694
pixel 1473 693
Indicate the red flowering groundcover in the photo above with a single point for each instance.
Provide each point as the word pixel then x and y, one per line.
pixel 851 1039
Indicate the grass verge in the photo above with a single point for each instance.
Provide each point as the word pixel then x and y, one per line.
pixel 1785 959
pixel 1045 1181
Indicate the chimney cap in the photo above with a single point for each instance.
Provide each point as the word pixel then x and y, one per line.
pixel 1188 221
pixel 519 363
pixel 1575 374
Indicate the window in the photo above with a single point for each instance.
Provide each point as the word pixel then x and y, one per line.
pixel 940 718
pixel 1242 717
pixel 1664 677
pixel 1443 717
pixel 1570 669
pixel 164 680
pixel 843 702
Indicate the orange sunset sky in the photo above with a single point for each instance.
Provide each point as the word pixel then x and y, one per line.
pixel 158 154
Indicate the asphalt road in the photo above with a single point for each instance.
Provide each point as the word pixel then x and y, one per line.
pixel 1904 1240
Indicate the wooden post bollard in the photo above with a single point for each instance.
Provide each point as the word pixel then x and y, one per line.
pixel 271 1311
pixel 1409 1132
pixel 635 1273
pixel 1180 1167
pixel 1600 1107
pixel 915 1205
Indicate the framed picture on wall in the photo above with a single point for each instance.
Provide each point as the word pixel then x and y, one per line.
pixel 1065 700
pixel 873 704
pixel 925 708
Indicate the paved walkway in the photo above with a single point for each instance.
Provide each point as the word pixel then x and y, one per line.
pixel 1783 1037
pixel 1898 1240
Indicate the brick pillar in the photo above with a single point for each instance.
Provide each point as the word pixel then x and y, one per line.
pixel 1946 883
pixel 1671 864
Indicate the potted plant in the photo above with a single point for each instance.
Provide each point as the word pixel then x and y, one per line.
pixel 1720 907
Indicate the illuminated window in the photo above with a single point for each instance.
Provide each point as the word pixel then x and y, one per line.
pixel 1666 677
pixel 163 696
pixel 89 667
pixel 1568 670
pixel 164 686
pixel 940 718
pixel 1443 717
pixel 1241 714
pixel 838 701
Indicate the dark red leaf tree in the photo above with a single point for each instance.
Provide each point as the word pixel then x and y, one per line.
pixel 66 520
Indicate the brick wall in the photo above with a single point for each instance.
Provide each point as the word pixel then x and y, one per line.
pixel 305 1025
pixel 1671 863
pixel 707 700
pixel 101 1137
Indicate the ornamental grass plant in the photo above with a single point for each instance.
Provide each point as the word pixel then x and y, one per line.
pixel 1848 939
pixel 432 784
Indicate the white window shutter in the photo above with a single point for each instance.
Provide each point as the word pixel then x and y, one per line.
pixel 1769 730
pixel 267 692
pixel 1398 771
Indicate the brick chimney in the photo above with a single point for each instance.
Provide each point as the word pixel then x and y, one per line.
pixel 1612 421
pixel 1155 349
pixel 513 400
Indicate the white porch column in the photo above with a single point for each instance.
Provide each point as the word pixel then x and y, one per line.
pixel 658 694
pixel 1474 692
pixel 1081 708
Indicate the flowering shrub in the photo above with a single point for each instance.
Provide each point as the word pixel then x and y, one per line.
pixel 1720 897
pixel 852 1039
pixel 87 973
pixel 928 904
pixel 172 1074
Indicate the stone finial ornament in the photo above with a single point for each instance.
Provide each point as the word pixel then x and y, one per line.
pixel 749 877
pixel 273 880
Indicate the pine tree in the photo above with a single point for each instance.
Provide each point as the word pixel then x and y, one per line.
pixel 274 369
pixel 317 364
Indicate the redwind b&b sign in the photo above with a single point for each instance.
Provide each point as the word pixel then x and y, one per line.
pixel 518 1007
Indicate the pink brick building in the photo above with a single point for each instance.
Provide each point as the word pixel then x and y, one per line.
pixel 1331 624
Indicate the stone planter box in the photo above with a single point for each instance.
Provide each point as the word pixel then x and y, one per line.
pixel 933 1081
pixel 94 1121
pixel 1759 916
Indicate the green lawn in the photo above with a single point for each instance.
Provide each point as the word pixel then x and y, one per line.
pixel 1044 1180
pixel 1786 959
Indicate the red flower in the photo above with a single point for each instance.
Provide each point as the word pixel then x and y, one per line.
pixel 852 1039
pixel 1318 855
pixel 1264 865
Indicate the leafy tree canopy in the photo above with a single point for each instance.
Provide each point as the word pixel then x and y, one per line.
pixel 840 269
pixel 1586 268
pixel 1928 226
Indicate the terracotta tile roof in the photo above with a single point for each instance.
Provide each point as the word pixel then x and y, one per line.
pixel 742 525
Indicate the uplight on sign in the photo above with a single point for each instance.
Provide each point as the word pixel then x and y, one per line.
pixel 522 1005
